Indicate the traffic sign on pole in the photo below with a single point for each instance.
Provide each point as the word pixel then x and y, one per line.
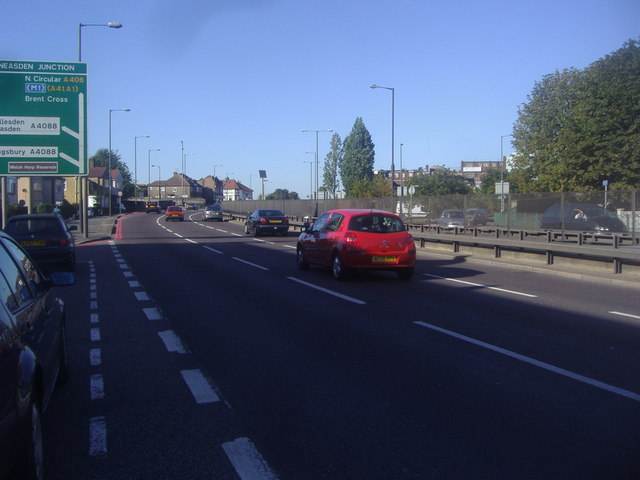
pixel 43 118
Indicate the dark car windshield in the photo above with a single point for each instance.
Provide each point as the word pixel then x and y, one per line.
pixel 376 223
pixel 33 226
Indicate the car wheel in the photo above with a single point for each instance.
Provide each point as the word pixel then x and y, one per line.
pixel 32 464
pixel 246 230
pixel 405 273
pixel 302 263
pixel 256 232
pixel 338 269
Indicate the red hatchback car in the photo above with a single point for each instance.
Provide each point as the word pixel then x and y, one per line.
pixel 174 213
pixel 358 239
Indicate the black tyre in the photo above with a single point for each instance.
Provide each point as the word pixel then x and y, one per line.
pixel 338 270
pixel 256 232
pixel 31 465
pixel 302 263
pixel 406 273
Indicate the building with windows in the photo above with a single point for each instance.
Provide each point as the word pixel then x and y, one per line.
pixel 233 190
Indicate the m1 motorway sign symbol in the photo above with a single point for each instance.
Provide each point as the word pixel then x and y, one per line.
pixel 43 118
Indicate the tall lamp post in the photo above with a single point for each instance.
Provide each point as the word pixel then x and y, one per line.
pixel 159 182
pixel 110 179
pixel 316 132
pixel 135 165
pixel 84 184
pixel 184 170
pixel 502 137
pixel 149 174
pixel 393 106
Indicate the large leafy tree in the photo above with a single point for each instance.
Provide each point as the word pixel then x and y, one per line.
pixel 332 161
pixel 580 127
pixel 439 183
pixel 358 158
pixel 101 159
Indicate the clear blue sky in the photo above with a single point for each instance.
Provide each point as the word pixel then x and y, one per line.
pixel 237 80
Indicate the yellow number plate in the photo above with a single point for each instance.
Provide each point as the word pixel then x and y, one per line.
pixel 385 259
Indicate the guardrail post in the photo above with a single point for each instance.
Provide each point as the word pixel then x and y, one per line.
pixel 580 239
pixel 496 251
pixel 549 255
pixel 617 265
pixel 616 241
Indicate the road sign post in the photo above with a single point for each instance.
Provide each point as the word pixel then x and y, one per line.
pixel 43 118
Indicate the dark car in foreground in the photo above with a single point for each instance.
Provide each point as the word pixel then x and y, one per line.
pixel 47 239
pixel 33 357
pixel 212 212
pixel 581 217
pixel 266 221
pixel 349 239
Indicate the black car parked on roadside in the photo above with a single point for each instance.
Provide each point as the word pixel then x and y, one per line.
pixel 266 221
pixel 46 238
pixel 33 357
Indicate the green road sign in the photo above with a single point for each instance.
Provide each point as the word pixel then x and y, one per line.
pixel 43 118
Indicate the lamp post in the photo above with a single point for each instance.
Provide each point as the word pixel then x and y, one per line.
pixel 184 169
pixel 316 132
pixel 80 25
pixel 159 182
pixel 84 184
pixel 393 106
pixel 149 174
pixel 110 179
pixel 135 164
pixel 502 137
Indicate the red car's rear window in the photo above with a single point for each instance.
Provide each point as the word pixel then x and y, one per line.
pixel 376 223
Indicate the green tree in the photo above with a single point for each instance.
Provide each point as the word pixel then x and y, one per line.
pixel 492 177
pixel 358 158
pixel 378 186
pixel 440 183
pixel 580 127
pixel 101 159
pixel 282 194
pixel 332 163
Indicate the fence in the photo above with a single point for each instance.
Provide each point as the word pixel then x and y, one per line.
pixel 513 211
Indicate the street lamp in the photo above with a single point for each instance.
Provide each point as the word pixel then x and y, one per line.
pixel 502 137
pixel 159 182
pixel 84 184
pixel 316 132
pixel 393 103
pixel 184 169
pixel 80 25
pixel 135 164
pixel 149 174
pixel 110 180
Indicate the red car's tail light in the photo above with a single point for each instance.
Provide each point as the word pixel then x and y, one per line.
pixel 351 239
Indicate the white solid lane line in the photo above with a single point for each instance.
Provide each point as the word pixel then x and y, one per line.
pixel 629 315
pixel 480 285
pixel 330 292
pixel 536 363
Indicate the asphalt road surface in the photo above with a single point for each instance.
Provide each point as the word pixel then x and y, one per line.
pixel 199 352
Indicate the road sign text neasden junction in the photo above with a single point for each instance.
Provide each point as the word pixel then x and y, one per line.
pixel 43 111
